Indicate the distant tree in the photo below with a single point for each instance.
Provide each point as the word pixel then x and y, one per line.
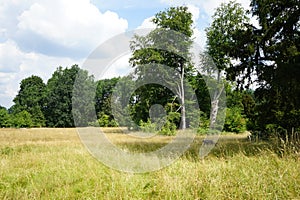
pixel 83 98
pixel 103 95
pixel 59 93
pixel 4 117
pixel 202 92
pixel 31 99
pixel 123 103
pixel 103 103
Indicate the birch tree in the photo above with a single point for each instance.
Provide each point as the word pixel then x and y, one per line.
pixel 167 45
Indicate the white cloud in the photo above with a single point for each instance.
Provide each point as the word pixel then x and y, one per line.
pixel 35 36
pixel 147 23
pixel 208 6
pixel 72 24
pixel 199 37
pixel 119 67
pixel 8 54
pixel 195 12
pixel 16 65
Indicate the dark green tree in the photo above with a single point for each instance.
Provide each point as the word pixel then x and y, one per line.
pixel 31 99
pixel 123 102
pixel 277 62
pixel 59 94
pixel 83 98
pixel 103 101
pixel 4 117
pixel 271 53
pixel 103 95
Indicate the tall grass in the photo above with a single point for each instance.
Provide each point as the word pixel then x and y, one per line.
pixel 53 164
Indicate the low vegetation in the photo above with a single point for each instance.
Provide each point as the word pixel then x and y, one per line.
pixel 54 164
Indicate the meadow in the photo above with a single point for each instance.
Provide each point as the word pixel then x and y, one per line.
pixel 54 164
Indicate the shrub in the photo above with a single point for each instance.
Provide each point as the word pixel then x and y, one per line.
pixel 22 119
pixel 234 121
pixel 148 127
pixel 169 129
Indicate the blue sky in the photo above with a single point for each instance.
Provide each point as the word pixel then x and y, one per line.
pixel 37 36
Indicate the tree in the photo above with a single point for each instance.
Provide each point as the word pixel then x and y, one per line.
pixel 270 52
pixel 277 62
pixel 59 94
pixel 122 101
pixel 103 95
pixel 4 118
pixel 227 19
pixel 235 120
pixel 167 45
pixel 31 99
pixel 103 102
pixel 83 98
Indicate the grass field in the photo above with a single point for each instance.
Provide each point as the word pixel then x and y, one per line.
pixel 54 164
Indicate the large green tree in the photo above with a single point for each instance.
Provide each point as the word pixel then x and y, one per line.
pixel 31 99
pixel 167 45
pixel 270 52
pixel 277 62
pixel 227 19
pixel 59 94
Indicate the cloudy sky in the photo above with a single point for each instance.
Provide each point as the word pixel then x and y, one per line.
pixel 37 36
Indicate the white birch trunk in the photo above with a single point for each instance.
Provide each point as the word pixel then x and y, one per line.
pixel 183 111
pixel 215 104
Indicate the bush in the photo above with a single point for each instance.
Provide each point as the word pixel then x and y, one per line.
pixel 234 121
pixel 22 119
pixel 204 124
pixel 104 121
pixel 168 129
pixel 148 127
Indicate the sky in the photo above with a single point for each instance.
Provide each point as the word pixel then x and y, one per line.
pixel 37 36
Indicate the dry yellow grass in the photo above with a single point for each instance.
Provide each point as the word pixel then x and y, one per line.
pixel 53 164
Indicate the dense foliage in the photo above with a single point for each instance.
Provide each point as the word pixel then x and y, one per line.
pixel 268 54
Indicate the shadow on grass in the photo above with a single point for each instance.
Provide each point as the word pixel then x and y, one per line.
pixel 226 147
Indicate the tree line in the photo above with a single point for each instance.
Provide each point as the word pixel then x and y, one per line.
pixel 50 105
pixel 267 55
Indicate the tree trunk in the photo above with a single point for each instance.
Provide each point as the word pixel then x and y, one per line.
pixel 182 92
pixel 215 104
